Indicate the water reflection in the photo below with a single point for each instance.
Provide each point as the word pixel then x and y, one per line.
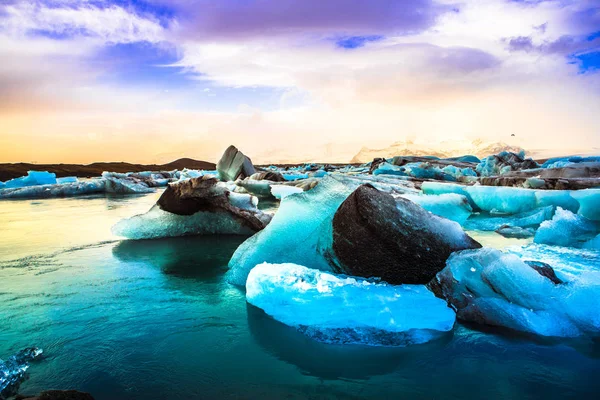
pixel 328 361
pixel 186 257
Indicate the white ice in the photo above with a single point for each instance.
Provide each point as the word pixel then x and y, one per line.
pixel 282 191
pixel 348 310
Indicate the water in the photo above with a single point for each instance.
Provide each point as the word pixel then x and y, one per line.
pixel 156 320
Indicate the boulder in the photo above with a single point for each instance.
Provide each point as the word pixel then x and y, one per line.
pixel 234 164
pixel 375 235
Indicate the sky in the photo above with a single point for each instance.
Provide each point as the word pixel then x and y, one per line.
pixel 151 81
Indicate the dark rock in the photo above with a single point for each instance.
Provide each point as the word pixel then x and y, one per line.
pixel 268 176
pixel 515 161
pixel 395 240
pixel 203 194
pixel 515 232
pixel 375 163
pixel 234 164
pixel 58 395
pixel 545 270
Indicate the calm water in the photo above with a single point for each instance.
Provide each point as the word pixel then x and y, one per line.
pixel 156 320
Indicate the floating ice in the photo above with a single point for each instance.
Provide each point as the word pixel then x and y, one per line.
pixel 566 229
pixel 122 183
pixel 443 188
pixel 559 162
pixel 557 198
pixel 33 178
pixel 67 179
pixel 282 191
pixel 589 203
pixel 593 243
pixel 157 223
pixel 50 191
pixel 12 371
pixel 508 200
pixel 494 288
pixel 337 309
pixel 293 177
pixel 452 206
pixel 533 218
pixel 293 233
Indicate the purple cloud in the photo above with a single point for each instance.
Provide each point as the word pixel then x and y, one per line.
pixel 234 18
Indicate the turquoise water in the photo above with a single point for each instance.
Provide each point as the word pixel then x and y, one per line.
pixel 156 320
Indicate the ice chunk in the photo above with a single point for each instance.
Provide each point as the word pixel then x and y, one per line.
pixel 12 371
pixel 593 243
pixel 485 222
pixel 569 263
pixel 559 162
pixel 443 188
pixel 33 178
pixel 293 177
pixel 450 205
pixel 508 200
pixel 293 233
pixel 157 223
pixel 494 288
pixel 282 191
pixel 515 232
pixel 347 310
pixel 386 168
pixel 566 229
pixel 57 190
pixel 67 179
pixel 589 203
pixel 121 183
pixel 557 198
pixel 197 206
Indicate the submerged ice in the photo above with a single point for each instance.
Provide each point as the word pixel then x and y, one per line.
pixel 13 370
pixel 347 310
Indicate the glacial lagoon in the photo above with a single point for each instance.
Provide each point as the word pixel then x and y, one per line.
pixel 156 319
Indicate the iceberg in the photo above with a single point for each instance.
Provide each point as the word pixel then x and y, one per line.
pixel 437 188
pixel 533 218
pixel 33 178
pixel 348 310
pixel 557 198
pixel 124 184
pixel 566 229
pixel 490 287
pixel 589 203
pixel 13 370
pixel 507 200
pixel 454 207
pixel 197 206
pixel 293 233
pixel 57 190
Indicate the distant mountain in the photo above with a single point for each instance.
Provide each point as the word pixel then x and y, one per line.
pixel 10 171
pixel 443 150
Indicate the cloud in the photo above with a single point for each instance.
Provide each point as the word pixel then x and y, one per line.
pixel 209 19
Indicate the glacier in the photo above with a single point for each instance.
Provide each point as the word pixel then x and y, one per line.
pixel 487 222
pixel 348 310
pixel 490 287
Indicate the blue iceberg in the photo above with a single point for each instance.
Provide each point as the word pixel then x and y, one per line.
pixel 348 310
